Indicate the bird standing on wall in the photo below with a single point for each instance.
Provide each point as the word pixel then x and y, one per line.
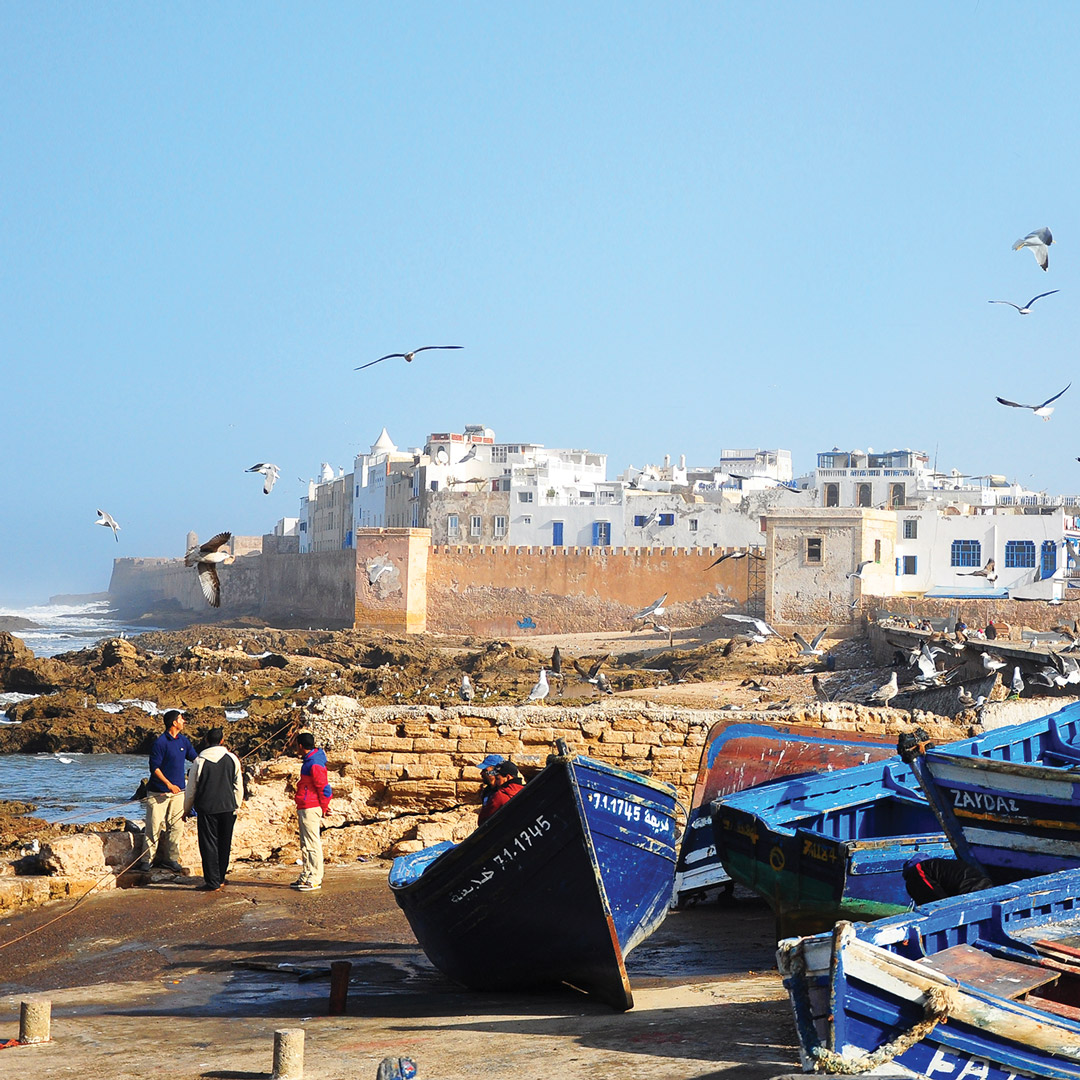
pixel 106 519
pixel 886 692
pixel 206 558
pixel 540 690
pixel 406 356
pixel 269 472
pixel 1039 242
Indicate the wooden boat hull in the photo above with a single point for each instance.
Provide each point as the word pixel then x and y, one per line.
pixel 1010 799
pixel 555 888
pixel 828 847
pixel 956 989
pixel 738 756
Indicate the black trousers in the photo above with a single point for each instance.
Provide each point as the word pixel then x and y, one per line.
pixel 215 845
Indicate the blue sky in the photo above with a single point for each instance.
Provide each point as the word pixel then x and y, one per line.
pixel 663 228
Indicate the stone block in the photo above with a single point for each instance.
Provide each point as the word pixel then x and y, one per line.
pixel 392 743
pixel 434 746
pixel 472 746
pixel 119 848
pixel 405 759
pixel 612 736
pixel 635 751
pixel 80 854
pixel 416 771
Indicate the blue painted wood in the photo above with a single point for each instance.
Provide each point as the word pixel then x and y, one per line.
pixel 829 846
pixel 565 879
pixel 840 1010
pixel 1010 799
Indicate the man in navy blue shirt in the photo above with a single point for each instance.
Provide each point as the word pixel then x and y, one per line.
pixel 165 795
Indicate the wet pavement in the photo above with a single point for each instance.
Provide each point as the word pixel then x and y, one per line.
pixel 167 980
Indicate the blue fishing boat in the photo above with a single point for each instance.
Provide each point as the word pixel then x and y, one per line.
pixel 831 846
pixel 1009 799
pixel 738 755
pixel 985 985
pixel 563 881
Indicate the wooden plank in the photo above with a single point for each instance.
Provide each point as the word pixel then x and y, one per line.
pixel 1058 945
pixel 1003 978
pixel 1058 1008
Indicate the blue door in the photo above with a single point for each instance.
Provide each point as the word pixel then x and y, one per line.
pixel 556 534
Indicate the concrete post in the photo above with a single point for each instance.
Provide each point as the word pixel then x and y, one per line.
pixel 35 1019
pixel 288 1054
pixel 339 986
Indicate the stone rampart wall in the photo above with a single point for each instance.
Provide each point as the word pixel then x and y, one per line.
pixel 1016 614
pixel 495 590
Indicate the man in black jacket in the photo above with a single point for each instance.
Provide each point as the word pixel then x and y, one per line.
pixel 929 879
pixel 215 790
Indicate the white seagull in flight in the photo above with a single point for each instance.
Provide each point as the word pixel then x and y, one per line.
pixel 1044 410
pixel 407 356
pixel 1039 241
pixel 270 474
pixel 1026 309
pixel 106 519
pixel 205 558
pixel 655 608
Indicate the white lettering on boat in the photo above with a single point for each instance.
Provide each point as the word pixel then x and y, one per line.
pixel 944 1063
pixel 983 800
pixel 520 844
pixel 630 811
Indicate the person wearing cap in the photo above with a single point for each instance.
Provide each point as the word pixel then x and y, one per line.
pixel 216 792
pixel 488 787
pixel 312 804
pixel 507 785
pixel 930 879
pixel 165 795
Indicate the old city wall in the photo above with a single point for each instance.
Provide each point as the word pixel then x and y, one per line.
pixel 1016 615
pixel 493 590
pixel 286 589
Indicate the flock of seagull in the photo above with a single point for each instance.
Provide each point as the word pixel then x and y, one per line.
pixel 1038 243
pixel 207 557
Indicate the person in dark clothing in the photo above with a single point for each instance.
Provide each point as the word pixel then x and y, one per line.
pixel 507 783
pixel 930 879
pixel 165 795
pixel 216 792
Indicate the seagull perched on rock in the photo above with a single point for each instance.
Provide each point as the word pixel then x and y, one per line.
pixel 540 690
pixel 106 519
pixel 1026 309
pixel 406 356
pixel 205 558
pixel 466 689
pixel 991 662
pixel 270 474
pixel 762 629
pixel 1039 241
pixel 1044 410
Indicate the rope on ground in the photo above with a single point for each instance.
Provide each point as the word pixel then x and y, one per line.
pixel 104 877
pixel 935 1011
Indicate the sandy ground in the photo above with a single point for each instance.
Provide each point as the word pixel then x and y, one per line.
pixel 164 980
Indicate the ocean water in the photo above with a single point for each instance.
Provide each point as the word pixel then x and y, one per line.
pixel 66 627
pixel 74 787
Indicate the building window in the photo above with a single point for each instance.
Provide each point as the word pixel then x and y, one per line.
pixel 639 520
pixel 832 494
pixel 898 494
pixel 911 564
pixel 500 527
pixel 693 524
pixel 667 519
pixel 498 454
pixel 526 520
pixel 966 553
pixel 303 526
pixel 434 485
pixel 813 549
pixel 911 528
pixel 525 496
pixel 601 533
pixel 1020 554
pixel 877 551
pixel 863 493
pixel 476 525
pixel 452 526
pixel 1049 559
